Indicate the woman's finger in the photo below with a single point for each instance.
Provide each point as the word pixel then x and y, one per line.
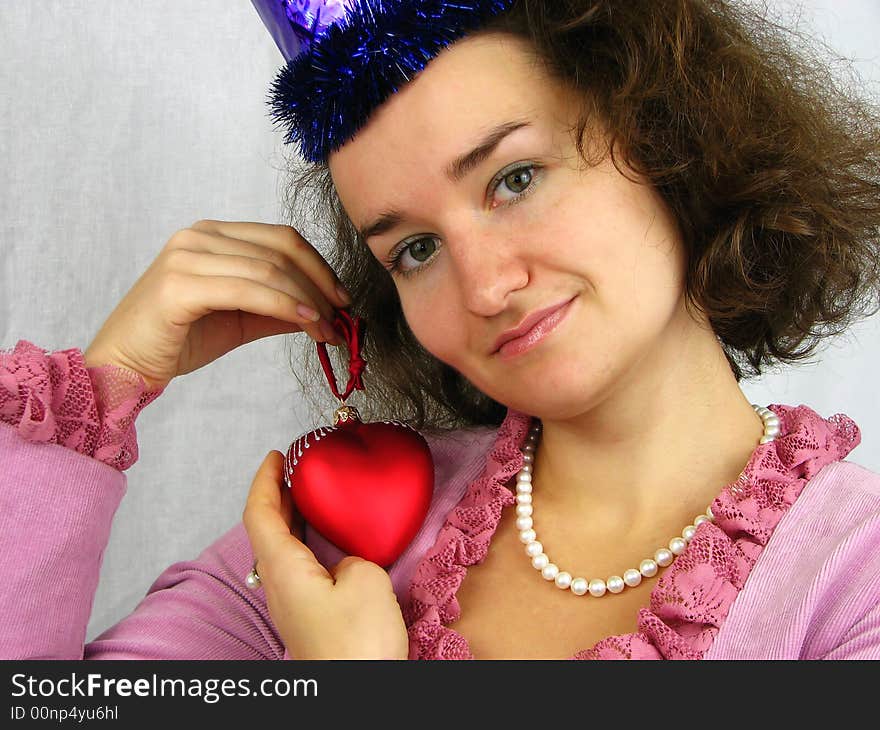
pixel 215 255
pixel 201 295
pixel 192 270
pixel 288 241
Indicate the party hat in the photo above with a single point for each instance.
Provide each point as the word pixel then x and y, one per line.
pixel 345 57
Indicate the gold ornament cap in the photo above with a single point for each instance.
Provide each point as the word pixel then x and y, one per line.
pixel 345 414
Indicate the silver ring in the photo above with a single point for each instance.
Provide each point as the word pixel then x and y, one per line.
pixel 253 579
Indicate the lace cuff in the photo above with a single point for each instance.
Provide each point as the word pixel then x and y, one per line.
pixel 54 398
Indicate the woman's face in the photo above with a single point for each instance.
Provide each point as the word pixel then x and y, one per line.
pixel 483 244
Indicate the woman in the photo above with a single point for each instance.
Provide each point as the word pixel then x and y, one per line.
pixel 579 249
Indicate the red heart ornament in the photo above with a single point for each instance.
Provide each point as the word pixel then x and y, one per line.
pixel 366 487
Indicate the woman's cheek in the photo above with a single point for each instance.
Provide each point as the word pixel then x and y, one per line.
pixel 431 325
pixel 416 318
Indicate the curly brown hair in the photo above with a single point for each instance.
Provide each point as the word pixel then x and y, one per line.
pixel 769 161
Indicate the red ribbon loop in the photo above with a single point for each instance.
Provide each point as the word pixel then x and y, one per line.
pixel 352 331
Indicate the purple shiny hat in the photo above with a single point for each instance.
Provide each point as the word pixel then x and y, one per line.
pixel 345 57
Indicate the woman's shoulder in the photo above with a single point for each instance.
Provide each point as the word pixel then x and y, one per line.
pixel 845 494
pixel 815 588
pixel 850 477
pixel 834 526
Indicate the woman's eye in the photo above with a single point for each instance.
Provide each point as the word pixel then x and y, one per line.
pixel 421 250
pixel 517 181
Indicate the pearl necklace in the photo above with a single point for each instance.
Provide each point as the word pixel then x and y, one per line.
pixel 631 577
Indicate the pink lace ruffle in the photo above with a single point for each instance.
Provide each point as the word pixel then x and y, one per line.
pixel 54 398
pixel 693 595
pixel 463 540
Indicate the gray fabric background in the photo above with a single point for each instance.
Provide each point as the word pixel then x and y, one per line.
pixel 121 123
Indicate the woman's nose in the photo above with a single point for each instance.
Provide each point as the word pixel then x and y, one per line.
pixel 488 269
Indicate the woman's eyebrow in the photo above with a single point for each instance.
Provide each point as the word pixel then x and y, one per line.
pixel 455 171
pixel 463 164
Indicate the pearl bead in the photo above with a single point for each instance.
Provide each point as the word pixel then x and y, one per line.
pixel 527 536
pixel 615 583
pixel 663 557
pixel 677 545
pixel 700 519
pixel 579 586
pixel 524 478
pixel 527 469
pixel 540 562
pixel 524 498
pixel 648 568
pixel 251 581
pixel 523 523
pixel 524 510
pixel 523 488
pixel 563 579
pixel 688 532
pixel 632 577
pixel 550 571
pixel 597 587
pixel 528 458
pixel 710 512
pixel 534 548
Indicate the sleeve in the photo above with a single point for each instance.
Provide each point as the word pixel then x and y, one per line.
pixel 198 609
pixel 56 509
pixel 56 506
pixel 66 434
pixel 52 397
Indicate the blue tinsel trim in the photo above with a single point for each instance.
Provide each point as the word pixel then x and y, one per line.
pixel 323 97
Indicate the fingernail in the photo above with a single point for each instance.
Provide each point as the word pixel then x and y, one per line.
pixel 343 295
pixel 307 312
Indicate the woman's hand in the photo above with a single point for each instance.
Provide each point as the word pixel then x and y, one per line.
pixel 351 614
pixel 215 286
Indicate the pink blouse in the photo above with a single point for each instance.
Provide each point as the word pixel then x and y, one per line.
pixel 693 595
pixel 812 591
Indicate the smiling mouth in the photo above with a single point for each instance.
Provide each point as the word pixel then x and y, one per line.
pixel 537 334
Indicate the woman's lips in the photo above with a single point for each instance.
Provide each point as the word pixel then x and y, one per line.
pixel 536 335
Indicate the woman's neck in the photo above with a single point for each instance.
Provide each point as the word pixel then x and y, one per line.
pixel 663 445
